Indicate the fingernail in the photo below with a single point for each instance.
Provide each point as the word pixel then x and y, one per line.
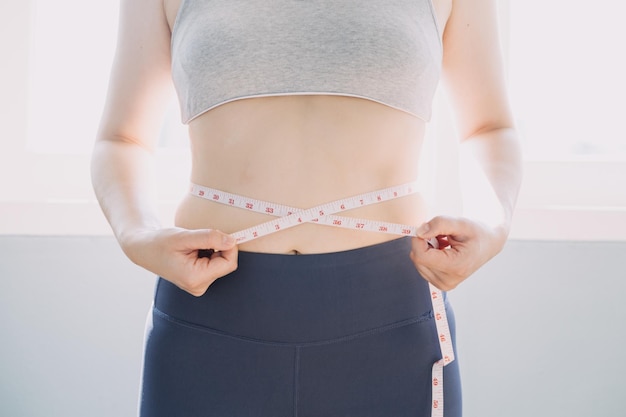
pixel 228 240
pixel 424 228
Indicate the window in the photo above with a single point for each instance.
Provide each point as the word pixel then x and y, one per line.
pixel 54 82
pixel 566 77
pixel 566 81
pixel 72 43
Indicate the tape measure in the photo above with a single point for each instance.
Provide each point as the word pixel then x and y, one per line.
pixel 287 217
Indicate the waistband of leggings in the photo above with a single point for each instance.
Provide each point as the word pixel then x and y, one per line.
pixel 306 298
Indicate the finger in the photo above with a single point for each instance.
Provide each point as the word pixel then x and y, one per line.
pixel 218 264
pixel 425 256
pixel 209 239
pixel 443 226
pixel 223 262
pixel 435 244
pixel 426 272
pixel 420 246
pixel 230 255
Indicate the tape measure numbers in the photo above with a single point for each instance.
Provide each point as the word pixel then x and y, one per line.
pixel 287 217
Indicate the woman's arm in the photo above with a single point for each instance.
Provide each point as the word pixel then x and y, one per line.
pixel 122 161
pixel 474 79
pixel 475 83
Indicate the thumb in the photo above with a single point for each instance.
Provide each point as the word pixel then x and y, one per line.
pixel 210 239
pixel 441 226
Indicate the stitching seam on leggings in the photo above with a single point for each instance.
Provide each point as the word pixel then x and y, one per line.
pixel 296 380
pixel 422 318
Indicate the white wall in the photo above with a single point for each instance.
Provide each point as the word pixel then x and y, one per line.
pixel 541 329
pixel 71 325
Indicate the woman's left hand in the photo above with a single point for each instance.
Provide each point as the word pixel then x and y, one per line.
pixel 464 246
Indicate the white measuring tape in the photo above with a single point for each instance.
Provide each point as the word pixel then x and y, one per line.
pixel 326 214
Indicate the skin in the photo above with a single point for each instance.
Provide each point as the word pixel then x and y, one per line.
pixel 301 151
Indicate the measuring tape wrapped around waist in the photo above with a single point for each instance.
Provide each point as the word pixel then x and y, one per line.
pixel 327 214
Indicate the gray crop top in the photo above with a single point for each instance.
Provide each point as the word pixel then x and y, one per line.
pixel 388 51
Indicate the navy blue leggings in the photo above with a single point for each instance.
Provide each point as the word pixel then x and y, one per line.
pixel 326 335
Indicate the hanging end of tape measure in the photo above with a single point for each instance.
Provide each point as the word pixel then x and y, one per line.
pixel 437 390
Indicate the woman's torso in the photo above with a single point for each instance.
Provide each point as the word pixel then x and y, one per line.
pixel 302 150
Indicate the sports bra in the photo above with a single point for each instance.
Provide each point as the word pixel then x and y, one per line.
pixel 388 51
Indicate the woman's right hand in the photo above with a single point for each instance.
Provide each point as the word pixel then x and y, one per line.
pixel 190 259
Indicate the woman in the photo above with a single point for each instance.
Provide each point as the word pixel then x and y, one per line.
pixel 299 104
